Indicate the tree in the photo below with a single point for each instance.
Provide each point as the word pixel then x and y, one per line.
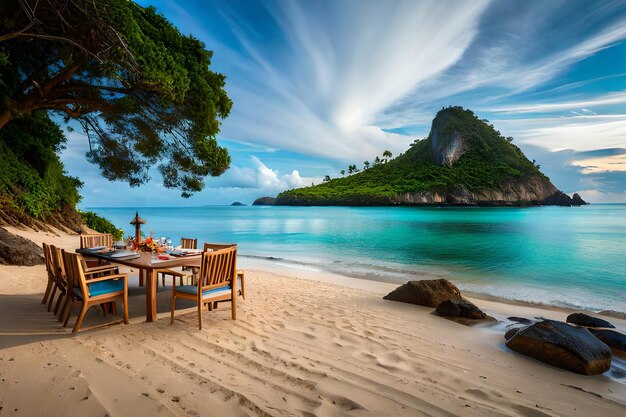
pixel 142 92
pixel 326 178
pixel 377 161
pixel 387 155
pixel 342 172
pixel 352 169
pixel 366 165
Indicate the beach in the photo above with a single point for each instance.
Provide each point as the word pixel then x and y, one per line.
pixel 304 343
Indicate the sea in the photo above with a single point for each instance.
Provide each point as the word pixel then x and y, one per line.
pixel 565 256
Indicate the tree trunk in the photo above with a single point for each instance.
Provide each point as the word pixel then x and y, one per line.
pixel 5 117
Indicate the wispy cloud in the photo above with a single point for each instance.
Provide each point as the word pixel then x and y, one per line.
pixel 606 99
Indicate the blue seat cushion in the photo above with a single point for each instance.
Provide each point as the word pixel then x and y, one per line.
pixel 105 287
pixel 215 292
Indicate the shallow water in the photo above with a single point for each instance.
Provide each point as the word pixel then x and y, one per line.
pixel 573 257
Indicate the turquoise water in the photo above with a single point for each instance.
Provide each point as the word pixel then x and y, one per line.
pixel 573 257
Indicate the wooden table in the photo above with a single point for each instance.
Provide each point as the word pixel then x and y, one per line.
pixel 149 266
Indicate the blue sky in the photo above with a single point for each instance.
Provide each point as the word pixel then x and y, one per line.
pixel 318 85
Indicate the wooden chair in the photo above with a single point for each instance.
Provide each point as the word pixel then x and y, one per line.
pixel 240 273
pixel 90 273
pixel 50 271
pixel 185 271
pixel 96 239
pixel 95 291
pixel 216 282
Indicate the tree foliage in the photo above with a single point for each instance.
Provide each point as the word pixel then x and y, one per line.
pixel 32 181
pixel 143 92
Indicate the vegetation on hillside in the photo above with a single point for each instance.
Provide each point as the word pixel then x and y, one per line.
pixel 142 92
pixel 490 161
pixel 100 224
pixel 33 184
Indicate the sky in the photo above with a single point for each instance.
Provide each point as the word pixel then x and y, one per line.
pixel 318 85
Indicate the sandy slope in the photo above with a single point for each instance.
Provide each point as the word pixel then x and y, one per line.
pixel 299 348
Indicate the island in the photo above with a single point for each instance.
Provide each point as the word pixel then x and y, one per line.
pixel 463 161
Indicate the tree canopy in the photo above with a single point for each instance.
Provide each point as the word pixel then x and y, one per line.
pixel 142 92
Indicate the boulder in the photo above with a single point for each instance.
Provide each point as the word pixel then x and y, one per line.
pixel 586 320
pixel 264 201
pixel 563 346
pixel 520 320
pixel 462 311
pixel 15 250
pixel 429 293
pixel 612 338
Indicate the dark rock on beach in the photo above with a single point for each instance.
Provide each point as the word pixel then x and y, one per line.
pixel 429 293
pixel 521 320
pixel 614 314
pixel 15 250
pixel 612 338
pixel 264 201
pixel 586 320
pixel 561 345
pixel 462 311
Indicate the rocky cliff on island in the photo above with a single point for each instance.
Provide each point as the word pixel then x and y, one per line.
pixel 463 161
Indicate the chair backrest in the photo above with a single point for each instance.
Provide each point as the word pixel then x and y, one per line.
pixel 48 259
pixel 74 272
pixel 217 246
pixel 93 240
pixel 218 268
pixel 58 266
pixel 188 243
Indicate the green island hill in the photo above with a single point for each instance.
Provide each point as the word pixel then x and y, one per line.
pixel 463 161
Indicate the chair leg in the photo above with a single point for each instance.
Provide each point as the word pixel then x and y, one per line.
pixel 58 303
pixel 243 285
pixel 47 293
pixel 81 316
pixel 125 301
pixel 200 315
pixel 210 305
pixel 114 308
pixel 65 311
pixel 52 294
pixel 172 308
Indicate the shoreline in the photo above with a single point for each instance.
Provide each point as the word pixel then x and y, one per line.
pixel 305 343
pixel 307 271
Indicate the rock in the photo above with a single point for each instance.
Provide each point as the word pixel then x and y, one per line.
pixel 429 293
pixel 520 320
pixel 462 311
pixel 512 332
pixel 614 314
pixel 612 338
pixel 577 200
pixel 586 320
pixel 15 250
pixel 238 204
pixel 563 346
pixel 264 201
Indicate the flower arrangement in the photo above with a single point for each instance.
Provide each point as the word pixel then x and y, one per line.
pixel 148 245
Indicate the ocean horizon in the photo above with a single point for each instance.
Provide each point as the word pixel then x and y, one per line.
pixel 565 256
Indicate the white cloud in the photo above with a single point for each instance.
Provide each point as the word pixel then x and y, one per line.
pixel 320 92
pixel 581 133
pixel 607 99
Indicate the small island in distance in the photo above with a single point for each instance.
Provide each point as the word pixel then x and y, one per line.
pixel 464 161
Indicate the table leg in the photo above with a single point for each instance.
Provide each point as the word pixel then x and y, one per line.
pixel 151 282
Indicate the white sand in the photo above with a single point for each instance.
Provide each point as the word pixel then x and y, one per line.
pixel 300 347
